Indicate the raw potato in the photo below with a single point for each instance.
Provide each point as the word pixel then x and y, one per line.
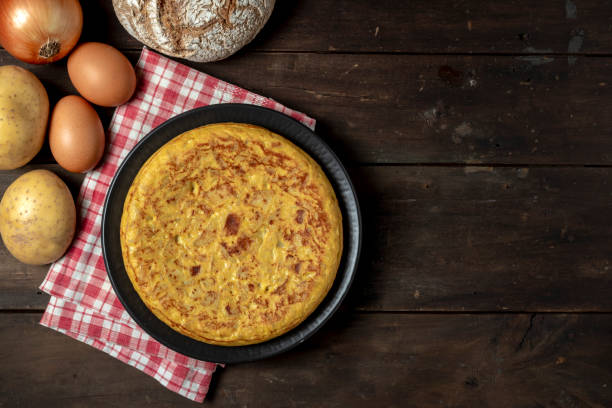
pixel 24 110
pixel 37 217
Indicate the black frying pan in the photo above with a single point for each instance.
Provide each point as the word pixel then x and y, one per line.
pixel 277 123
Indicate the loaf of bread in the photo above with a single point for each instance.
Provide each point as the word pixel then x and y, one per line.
pixel 197 30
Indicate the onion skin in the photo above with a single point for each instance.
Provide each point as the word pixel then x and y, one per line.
pixel 40 31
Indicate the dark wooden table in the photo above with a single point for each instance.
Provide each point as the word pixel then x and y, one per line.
pixel 479 136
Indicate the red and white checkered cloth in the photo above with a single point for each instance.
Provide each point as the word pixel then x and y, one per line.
pixel 83 304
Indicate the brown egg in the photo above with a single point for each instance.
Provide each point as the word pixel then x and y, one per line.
pixel 76 135
pixel 101 74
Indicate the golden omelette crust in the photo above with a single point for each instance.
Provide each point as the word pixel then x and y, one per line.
pixel 231 234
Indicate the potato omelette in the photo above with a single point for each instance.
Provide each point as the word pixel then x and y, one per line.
pixel 231 234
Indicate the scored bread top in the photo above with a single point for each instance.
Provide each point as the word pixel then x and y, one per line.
pixel 197 30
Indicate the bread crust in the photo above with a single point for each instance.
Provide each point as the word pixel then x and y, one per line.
pixel 197 30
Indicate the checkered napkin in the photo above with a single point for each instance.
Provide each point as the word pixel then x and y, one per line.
pixel 83 304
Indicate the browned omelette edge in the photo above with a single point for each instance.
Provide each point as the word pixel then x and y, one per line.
pixel 311 305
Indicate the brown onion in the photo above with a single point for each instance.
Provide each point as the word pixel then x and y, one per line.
pixel 40 31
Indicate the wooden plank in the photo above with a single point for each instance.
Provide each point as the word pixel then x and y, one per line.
pixel 485 238
pixel 460 239
pixel 441 109
pixel 357 360
pixel 418 26
pixel 428 109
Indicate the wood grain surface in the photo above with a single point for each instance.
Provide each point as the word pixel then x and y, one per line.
pixel 358 360
pixel 427 109
pixel 417 26
pixel 477 134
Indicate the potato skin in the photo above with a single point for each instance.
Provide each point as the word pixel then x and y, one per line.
pixel 37 217
pixel 24 111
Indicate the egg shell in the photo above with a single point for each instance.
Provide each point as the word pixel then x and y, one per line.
pixel 76 135
pixel 101 74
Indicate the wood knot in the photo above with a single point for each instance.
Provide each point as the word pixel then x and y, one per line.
pixel 471 382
